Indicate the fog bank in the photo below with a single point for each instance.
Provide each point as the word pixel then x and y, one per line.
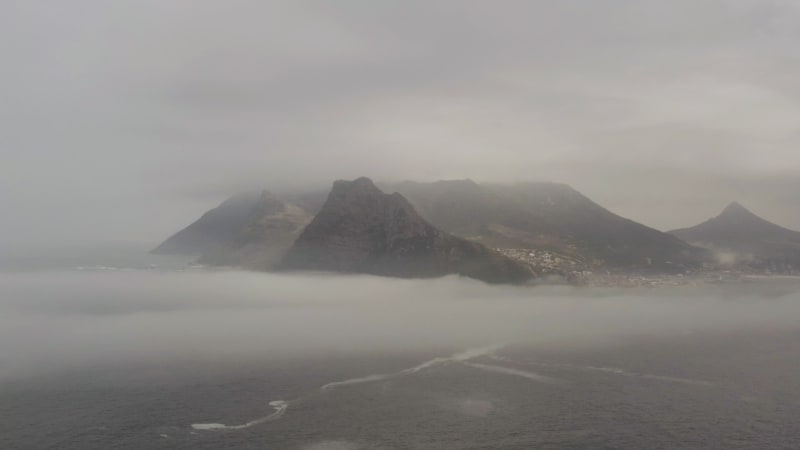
pixel 63 320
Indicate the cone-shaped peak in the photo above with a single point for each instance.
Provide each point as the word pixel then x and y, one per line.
pixel 735 209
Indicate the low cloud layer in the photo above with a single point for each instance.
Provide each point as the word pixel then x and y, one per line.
pixel 66 320
pixel 124 120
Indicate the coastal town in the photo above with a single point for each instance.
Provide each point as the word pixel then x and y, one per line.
pixel 559 268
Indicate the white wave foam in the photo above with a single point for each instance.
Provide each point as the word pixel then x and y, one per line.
pixel 616 371
pixel 359 380
pixel 513 372
pixel 677 380
pixel 279 406
pixel 456 357
pixel 649 376
pixel 209 426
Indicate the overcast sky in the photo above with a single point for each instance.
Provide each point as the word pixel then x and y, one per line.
pixel 125 119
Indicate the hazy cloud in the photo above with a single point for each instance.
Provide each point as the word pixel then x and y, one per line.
pixel 124 120
pixel 55 320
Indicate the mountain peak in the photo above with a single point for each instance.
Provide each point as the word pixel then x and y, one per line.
pixel 736 208
pixel 361 229
pixel 755 241
pixel 362 184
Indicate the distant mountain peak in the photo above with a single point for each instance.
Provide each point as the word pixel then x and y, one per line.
pixel 737 216
pixel 736 208
pixel 750 238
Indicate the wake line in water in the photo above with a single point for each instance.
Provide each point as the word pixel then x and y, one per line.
pixel 513 372
pixel 611 370
pixel 456 357
pixel 281 406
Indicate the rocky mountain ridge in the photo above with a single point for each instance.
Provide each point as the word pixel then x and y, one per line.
pixel 361 229
pixel 551 217
pixel 550 227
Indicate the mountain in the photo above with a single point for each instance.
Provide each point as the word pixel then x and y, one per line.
pixel 551 219
pixel 220 225
pixel 548 216
pixel 361 229
pixel 740 237
pixel 252 230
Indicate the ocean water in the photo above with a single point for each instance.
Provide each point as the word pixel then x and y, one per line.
pixel 130 358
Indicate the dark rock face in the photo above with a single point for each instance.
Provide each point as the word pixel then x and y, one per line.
pixel 548 216
pixel 360 229
pixel 742 237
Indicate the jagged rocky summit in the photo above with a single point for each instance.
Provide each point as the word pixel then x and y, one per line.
pixel 361 229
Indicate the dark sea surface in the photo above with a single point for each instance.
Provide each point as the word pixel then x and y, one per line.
pixel 141 359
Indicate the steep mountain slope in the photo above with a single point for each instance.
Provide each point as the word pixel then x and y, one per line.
pixel 266 235
pixel 547 216
pixel 246 230
pixel 218 226
pixel 739 236
pixel 360 229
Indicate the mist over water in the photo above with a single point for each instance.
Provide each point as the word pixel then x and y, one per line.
pixel 207 358
pixel 54 319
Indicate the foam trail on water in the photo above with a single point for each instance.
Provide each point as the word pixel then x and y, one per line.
pixel 613 370
pixel 456 357
pixel 677 380
pixel 279 406
pixel 425 365
pixel 513 372
pixel 359 380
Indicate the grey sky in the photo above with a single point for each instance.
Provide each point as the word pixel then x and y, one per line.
pixel 124 120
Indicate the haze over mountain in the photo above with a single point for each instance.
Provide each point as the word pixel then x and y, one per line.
pixel 741 237
pixel 548 216
pixel 361 229
pixel 152 110
pixel 218 225
pixel 252 230
pixel 255 231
